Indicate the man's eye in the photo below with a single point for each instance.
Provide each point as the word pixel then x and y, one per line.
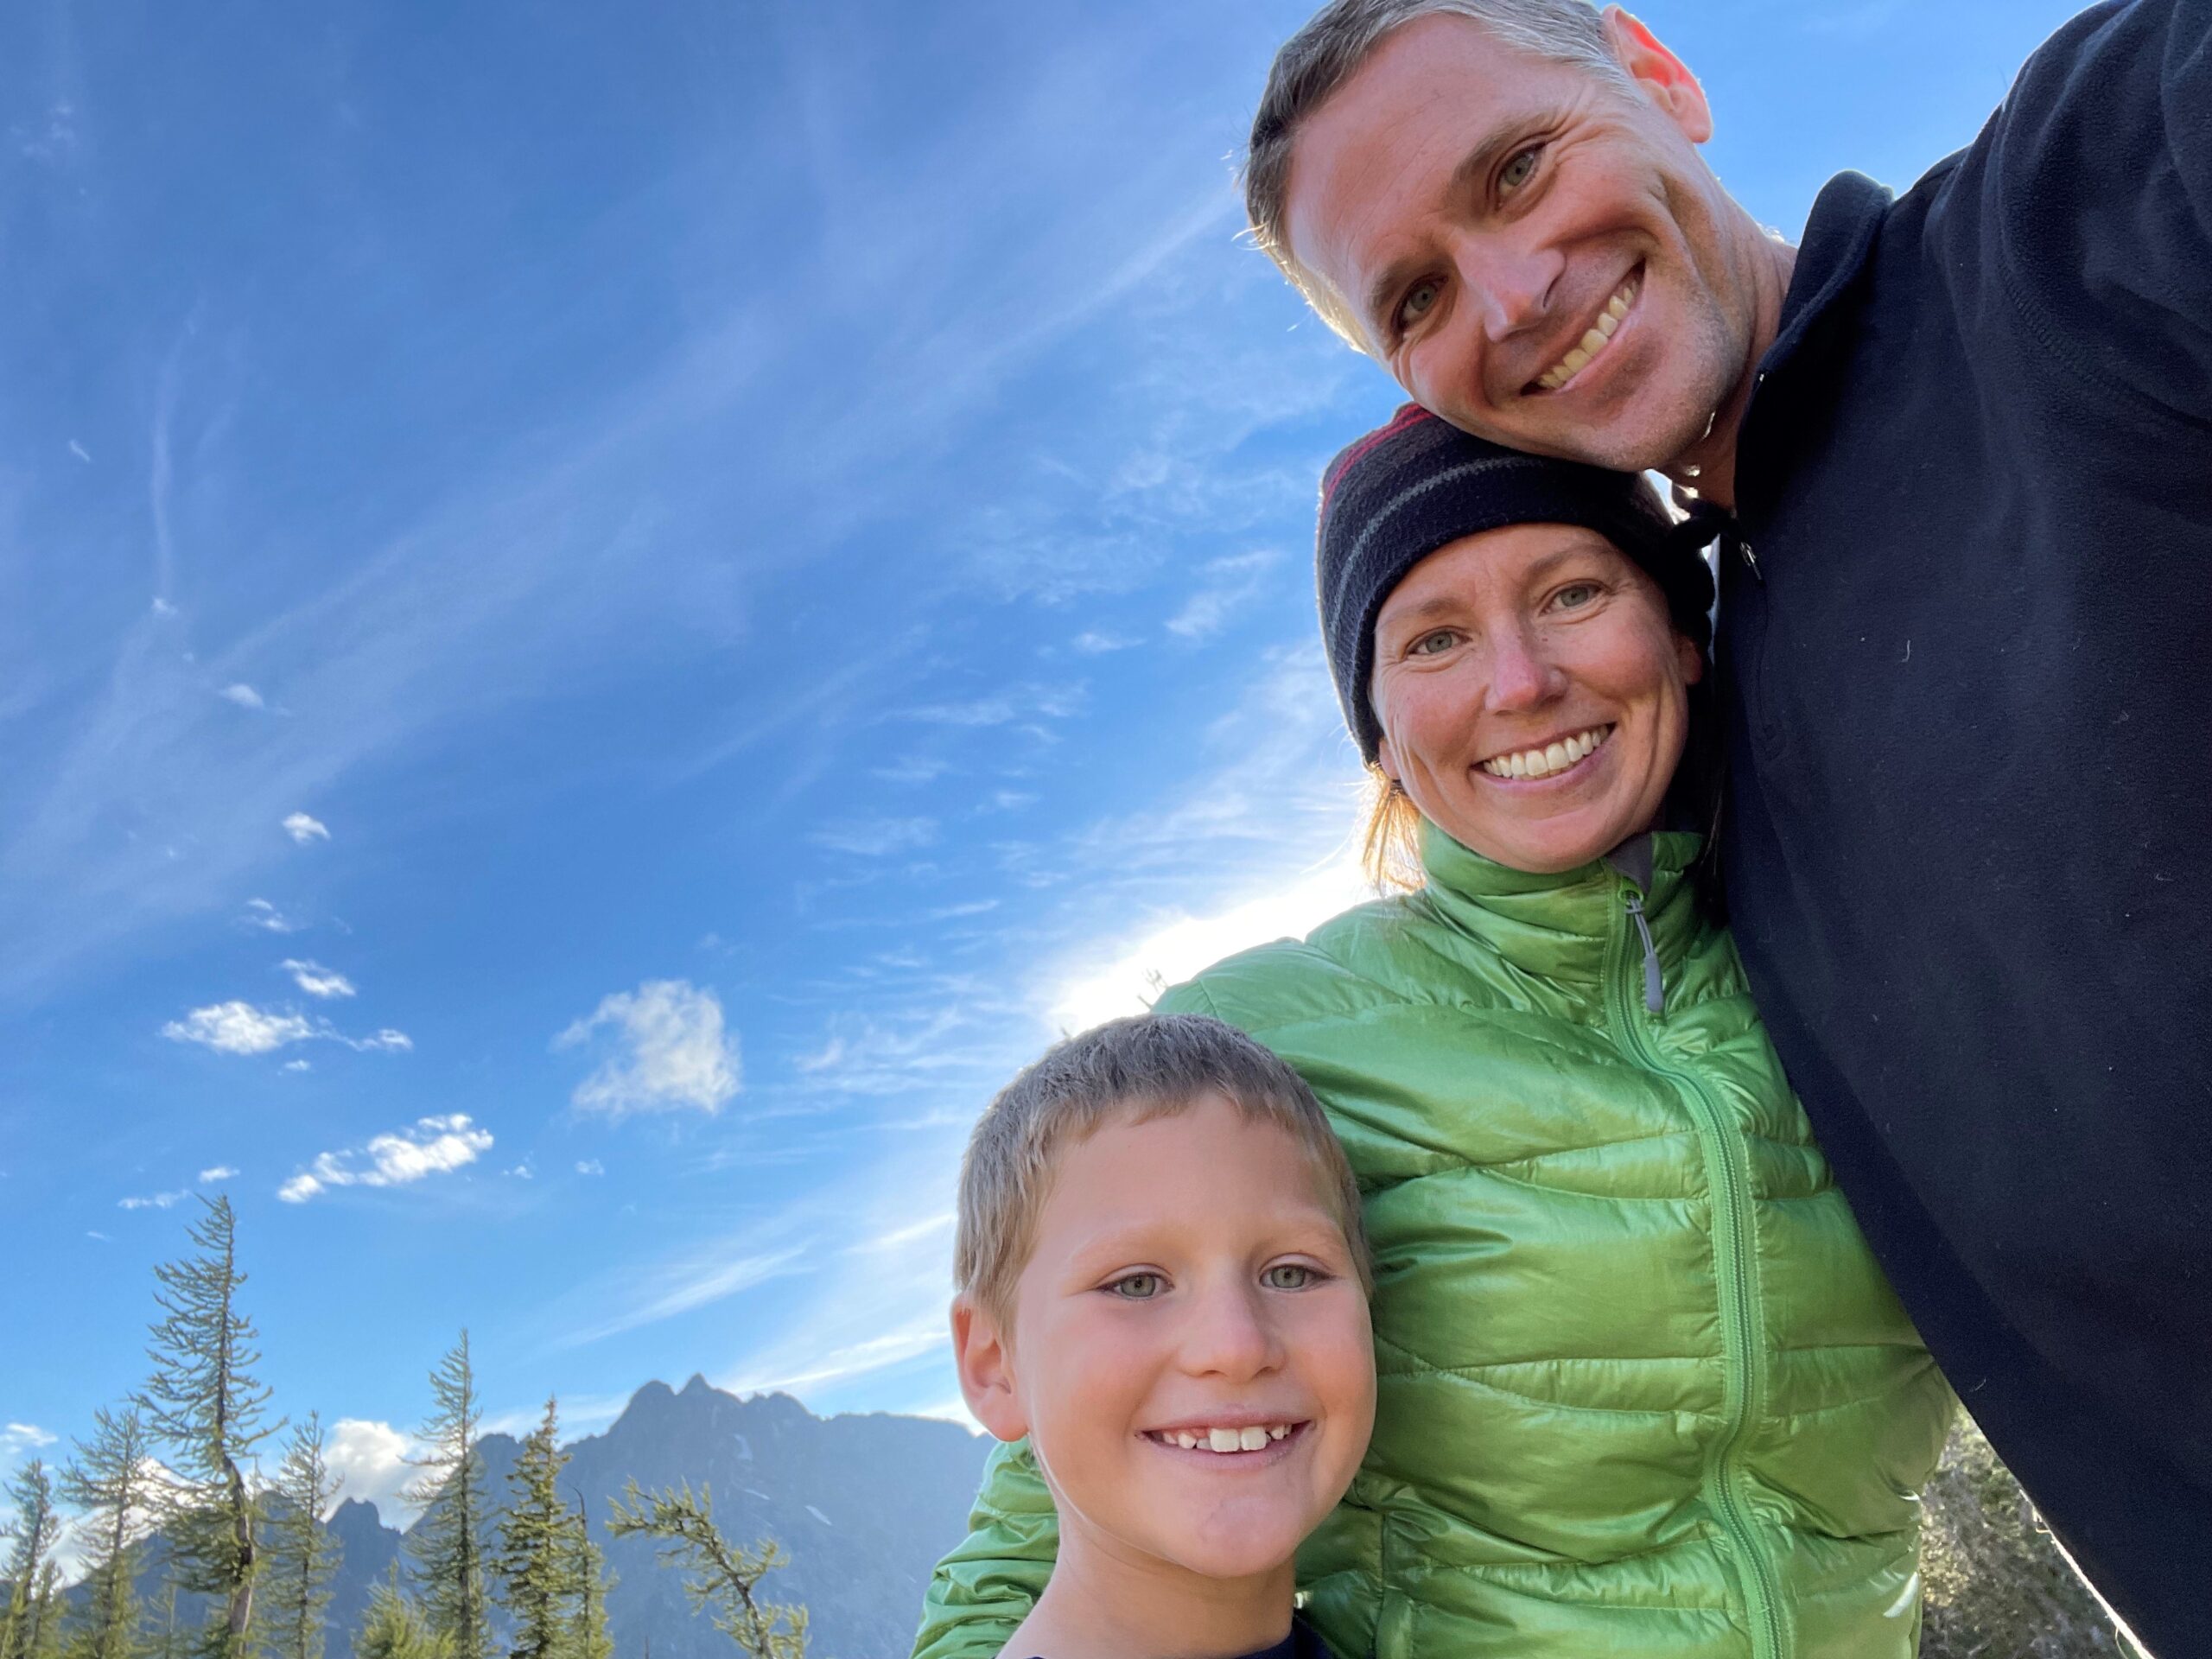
pixel 1520 170
pixel 1288 1275
pixel 1576 597
pixel 1137 1287
pixel 1420 299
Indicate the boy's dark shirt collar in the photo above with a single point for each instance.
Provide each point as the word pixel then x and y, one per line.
pixel 1300 1643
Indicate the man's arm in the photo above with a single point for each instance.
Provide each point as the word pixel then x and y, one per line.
pixel 986 1588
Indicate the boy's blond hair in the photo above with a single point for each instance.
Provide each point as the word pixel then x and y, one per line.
pixel 1134 1070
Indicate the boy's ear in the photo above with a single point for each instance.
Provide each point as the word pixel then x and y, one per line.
pixel 986 1366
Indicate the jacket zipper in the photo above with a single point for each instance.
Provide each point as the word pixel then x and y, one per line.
pixel 1742 1349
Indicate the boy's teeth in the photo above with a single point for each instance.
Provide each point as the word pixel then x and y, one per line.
pixel 1554 757
pixel 1593 341
pixel 1253 1438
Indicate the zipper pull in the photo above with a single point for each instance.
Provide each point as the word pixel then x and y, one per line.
pixel 1655 989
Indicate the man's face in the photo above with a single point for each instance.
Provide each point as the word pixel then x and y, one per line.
pixel 1536 255
pixel 1189 1350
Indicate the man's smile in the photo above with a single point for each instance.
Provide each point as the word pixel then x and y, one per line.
pixel 1594 337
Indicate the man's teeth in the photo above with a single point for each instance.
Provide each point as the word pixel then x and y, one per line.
pixel 1541 763
pixel 1224 1439
pixel 1592 342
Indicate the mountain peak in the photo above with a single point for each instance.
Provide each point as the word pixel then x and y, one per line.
pixel 698 1385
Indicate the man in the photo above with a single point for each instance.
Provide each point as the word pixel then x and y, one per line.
pixel 1965 437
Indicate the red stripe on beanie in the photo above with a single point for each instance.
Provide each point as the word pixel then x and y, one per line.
pixel 1408 415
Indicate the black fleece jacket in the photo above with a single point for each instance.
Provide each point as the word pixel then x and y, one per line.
pixel 1968 851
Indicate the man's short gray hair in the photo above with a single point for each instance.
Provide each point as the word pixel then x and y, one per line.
pixel 1330 49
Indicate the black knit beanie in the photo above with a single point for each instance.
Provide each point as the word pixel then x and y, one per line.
pixel 1419 484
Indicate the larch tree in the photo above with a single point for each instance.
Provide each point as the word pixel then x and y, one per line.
pixel 303 1555
pixel 721 1577
pixel 536 1556
pixel 394 1628
pixel 110 1483
pixel 447 1542
pixel 204 1403
pixel 31 1537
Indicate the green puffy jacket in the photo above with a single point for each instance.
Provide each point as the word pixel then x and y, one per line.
pixel 1642 1389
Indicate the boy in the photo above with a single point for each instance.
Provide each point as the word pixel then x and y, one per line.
pixel 1162 1282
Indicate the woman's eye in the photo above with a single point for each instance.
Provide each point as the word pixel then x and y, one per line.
pixel 1137 1287
pixel 1576 597
pixel 1288 1275
pixel 1518 171
pixel 1419 300
pixel 1433 645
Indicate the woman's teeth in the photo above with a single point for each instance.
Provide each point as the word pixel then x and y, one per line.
pixel 1591 342
pixel 1541 763
pixel 1222 1440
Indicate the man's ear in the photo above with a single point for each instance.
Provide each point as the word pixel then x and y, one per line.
pixel 1692 660
pixel 985 1362
pixel 1659 74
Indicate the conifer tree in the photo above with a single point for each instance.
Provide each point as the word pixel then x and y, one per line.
pixel 393 1628
pixel 204 1403
pixel 536 1556
pixel 170 1644
pixel 303 1554
pixel 31 1537
pixel 589 1637
pixel 447 1542
pixel 45 1613
pixel 722 1577
pixel 110 1483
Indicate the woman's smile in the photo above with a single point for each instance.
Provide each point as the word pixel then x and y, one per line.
pixel 1548 761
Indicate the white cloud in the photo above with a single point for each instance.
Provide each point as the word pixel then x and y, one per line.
pixel 220 1172
pixel 242 695
pixel 370 1460
pixel 875 837
pixel 676 1055
pixel 260 913
pixel 238 1028
pixel 318 981
pixel 298 1066
pixel 302 828
pixel 435 1145
pixel 590 1167
pixel 15 1439
pixel 154 1201
pixel 912 769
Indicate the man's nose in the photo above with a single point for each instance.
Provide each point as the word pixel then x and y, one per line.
pixel 1512 286
pixel 1230 1336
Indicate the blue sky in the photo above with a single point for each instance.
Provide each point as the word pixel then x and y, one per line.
pixel 610 615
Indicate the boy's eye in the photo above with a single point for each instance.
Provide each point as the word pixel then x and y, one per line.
pixel 1518 170
pixel 1137 1287
pixel 1288 1275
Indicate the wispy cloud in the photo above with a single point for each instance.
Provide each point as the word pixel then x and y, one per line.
pixel 1093 642
pixel 240 1027
pixel 220 1172
pixel 590 1167
pixel 317 981
pixel 672 1052
pixel 682 1287
pixel 875 837
pixel 435 1145
pixel 260 913
pixel 153 1201
pixel 17 1438
pixel 1229 584
pixel 242 695
pixel 302 828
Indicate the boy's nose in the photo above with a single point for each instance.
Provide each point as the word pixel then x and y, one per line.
pixel 1229 1335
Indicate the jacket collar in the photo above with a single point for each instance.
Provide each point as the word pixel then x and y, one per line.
pixel 1559 927
pixel 1839 241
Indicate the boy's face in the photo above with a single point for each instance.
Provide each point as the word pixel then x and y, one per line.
pixel 1188 1282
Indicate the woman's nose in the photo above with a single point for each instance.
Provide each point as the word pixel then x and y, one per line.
pixel 1520 676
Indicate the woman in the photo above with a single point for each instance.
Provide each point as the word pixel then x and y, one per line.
pixel 1642 1389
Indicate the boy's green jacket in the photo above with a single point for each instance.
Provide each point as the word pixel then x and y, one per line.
pixel 1642 1389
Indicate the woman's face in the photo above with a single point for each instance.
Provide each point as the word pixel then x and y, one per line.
pixel 1533 695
